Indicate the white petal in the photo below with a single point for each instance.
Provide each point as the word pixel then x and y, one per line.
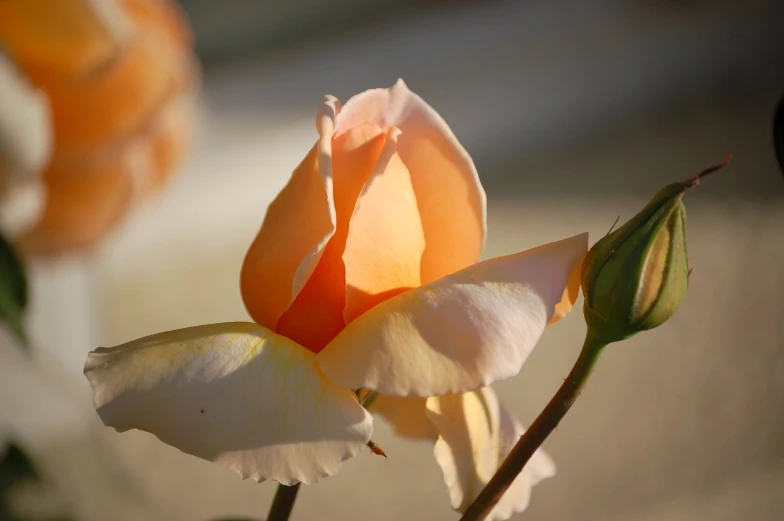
pixel 475 435
pixel 407 417
pixel 25 132
pixel 458 333
pixel 235 394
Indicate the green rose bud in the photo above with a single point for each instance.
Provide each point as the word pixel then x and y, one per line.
pixel 635 278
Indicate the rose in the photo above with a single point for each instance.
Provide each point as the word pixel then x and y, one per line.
pixel 362 277
pixel 117 77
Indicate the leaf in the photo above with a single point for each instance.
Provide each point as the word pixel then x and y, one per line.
pixel 16 466
pixel 13 291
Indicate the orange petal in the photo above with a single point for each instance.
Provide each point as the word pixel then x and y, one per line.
pixel 316 315
pixel 295 231
pixel 449 195
pixel 384 247
pixel 82 204
pixel 113 102
pixel 67 37
pixel 458 333
pixel 569 295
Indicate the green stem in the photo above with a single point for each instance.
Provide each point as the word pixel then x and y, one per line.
pixel 283 502
pixel 533 438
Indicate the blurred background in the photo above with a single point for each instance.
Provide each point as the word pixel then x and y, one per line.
pixel 575 112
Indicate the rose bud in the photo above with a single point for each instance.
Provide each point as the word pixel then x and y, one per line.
pixel 635 278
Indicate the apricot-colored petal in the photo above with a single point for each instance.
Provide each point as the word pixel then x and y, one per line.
pixel 316 315
pixel 69 37
pixel 475 435
pixel 407 417
pixel 235 394
pixel 451 200
pixel 115 101
pixel 385 242
pixel 83 201
pixel 459 333
pixel 295 232
pixel 569 295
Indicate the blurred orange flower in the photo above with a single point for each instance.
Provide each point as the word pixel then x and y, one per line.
pixel 119 77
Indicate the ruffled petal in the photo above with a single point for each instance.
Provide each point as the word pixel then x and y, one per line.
pixel 406 416
pixel 295 232
pixel 451 200
pixel 458 333
pixel 385 241
pixel 475 435
pixel 235 394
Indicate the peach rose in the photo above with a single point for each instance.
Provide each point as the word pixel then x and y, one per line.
pixel 364 283
pixel 118 78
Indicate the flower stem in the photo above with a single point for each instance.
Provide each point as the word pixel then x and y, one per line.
pixel 283 502
pixel 547 421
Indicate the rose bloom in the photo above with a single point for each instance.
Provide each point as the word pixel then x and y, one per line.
pixel 363 278
pixel 115 80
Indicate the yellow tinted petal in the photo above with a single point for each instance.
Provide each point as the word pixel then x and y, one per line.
pixel 235 394
pixel 451 200
pixel 406 416
pixel 458 333
pixel 475 435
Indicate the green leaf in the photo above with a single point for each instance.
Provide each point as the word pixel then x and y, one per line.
pixel 13 291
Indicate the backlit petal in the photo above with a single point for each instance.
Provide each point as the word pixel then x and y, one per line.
pixel 475 435
pixel 316 315
pixel 569 295
pixel 295 231
pixel 458 333
pixel 451 200
pixel 235 394
pixel 385 241
pixel 406 416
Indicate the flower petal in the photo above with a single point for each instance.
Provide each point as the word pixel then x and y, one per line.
pixel 475 435
pixel 116 100
pixel 451 200
pixel 407 417
pixel 385 241
pixel 458 333
pixel 295 232
pixel 316 315
pixel 235 394
pixel 71 38
pixel 569 295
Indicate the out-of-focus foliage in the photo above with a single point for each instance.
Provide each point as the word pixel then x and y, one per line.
pixel 13 291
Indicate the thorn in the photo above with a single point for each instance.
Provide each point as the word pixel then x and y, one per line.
pixel 688 275
pixel 613 226
pixel 375 449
